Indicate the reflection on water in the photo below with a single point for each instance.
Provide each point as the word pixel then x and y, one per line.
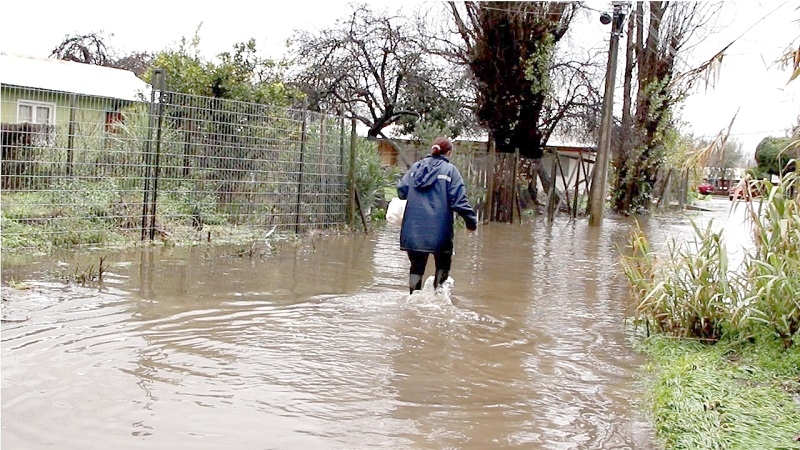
pixel 319 346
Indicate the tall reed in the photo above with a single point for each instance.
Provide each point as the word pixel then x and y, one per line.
pixel 689 293
pixel 772 277
pixel 694 294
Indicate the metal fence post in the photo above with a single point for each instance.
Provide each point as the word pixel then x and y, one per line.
pixel 162 81
pixel 303 137
pixel 351 176
pixel 320 172
pixel 146 156
pixel 150 169
pixel 341 154
pixel 71 136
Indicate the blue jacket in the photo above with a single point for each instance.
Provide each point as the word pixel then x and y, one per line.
pixel 434 190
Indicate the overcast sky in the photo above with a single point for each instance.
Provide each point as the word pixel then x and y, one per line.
pixel 747 82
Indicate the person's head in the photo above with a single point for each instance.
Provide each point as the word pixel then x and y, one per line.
pixel 441 146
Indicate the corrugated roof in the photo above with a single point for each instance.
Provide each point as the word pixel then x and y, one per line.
pixel 68 76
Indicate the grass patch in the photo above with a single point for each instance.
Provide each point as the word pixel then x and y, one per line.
pixel 741 395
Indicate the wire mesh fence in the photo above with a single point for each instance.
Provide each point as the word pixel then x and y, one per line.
pixel 80 170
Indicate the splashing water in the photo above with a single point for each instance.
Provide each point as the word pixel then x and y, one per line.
pixel 429 295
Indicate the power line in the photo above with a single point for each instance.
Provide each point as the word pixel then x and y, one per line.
pixel 746 133
pixel 759 21
pixel 722 52
pixel 523 10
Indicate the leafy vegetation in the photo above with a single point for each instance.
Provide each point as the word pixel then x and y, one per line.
pixel 725 344
pixel 510 51
pixel 774 154
pixel 771 281
pixel 663 31
pixel 693 293
pixel 690 296
pixel 239 75
pixel 373 179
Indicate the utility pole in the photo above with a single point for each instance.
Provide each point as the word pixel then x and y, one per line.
pixel 597 195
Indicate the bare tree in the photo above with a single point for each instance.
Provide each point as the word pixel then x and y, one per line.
pixel 372 67
pixel 136 62
pixel 663 32
pixel 87 48
pixel 725 159
pixel 92 48
pixel 509 48
pixel 528 86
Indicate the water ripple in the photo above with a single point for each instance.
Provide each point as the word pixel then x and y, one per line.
pixel 320 346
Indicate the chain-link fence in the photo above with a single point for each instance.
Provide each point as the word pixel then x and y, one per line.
pixel 78 169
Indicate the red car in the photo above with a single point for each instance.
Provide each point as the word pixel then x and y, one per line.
pixel 705 188
pixel 743 191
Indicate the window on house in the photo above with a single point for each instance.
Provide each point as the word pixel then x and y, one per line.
pixel 36 112
pixel 41 114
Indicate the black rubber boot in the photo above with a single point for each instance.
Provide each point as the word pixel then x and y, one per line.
pixel 440 278
pixel 414 283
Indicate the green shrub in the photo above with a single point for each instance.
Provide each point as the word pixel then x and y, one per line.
pixel 694 294
pixel 773 285
pixel 373 179
pixel 80 197
pixel 189 202
pixel 689 295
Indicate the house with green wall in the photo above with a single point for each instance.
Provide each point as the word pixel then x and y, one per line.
pixel 62 112
pixel 42 90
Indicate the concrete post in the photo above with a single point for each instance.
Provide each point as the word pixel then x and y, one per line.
pixel 600 177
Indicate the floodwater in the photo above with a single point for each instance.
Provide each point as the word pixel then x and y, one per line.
pixel 319 345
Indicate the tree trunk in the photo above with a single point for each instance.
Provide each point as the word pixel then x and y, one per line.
pixel 627 120
pixel 627 135
pixel 635 168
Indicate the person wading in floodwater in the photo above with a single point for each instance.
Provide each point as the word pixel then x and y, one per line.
pixel 434 189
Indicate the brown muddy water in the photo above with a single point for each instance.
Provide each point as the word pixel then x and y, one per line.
pixel 319 346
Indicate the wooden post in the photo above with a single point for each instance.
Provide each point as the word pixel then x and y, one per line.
pixel 684 188
pixel 597 200
pixel 577 183
pixel 514 183
pixel 666 190
pixel 518 205
pixel 490 170
pixel 563 178
pixel 361 212
pixel 587 176
pixel 551 201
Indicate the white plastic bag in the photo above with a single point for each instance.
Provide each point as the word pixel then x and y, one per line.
pixel 395 210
